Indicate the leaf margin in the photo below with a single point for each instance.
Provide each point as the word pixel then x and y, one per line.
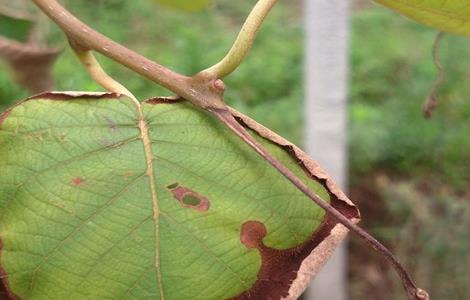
pixel 424 15
pixel 313 263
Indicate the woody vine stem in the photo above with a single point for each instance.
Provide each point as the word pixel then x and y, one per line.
pixel 205 90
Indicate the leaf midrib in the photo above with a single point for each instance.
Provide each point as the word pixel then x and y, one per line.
pixel 149 157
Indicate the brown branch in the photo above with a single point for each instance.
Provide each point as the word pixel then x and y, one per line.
pixel 412 291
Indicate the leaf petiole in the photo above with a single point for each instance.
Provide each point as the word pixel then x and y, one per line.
pixel 97 73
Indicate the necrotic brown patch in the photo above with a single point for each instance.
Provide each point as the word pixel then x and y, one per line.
pixel 279 267
pixel 5 292
pixel 4 116
pixel 189 198
pixel 252 234
pixel 60 96
pixel 163 100
pixel 73 95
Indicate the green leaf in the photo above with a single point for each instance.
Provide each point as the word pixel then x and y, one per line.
pixel 186 5
pixel 87 211
pixel 451 16
pixel 15 28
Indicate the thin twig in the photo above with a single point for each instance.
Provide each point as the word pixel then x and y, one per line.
pixel 412 291
pixel 431 102
pixel 244 41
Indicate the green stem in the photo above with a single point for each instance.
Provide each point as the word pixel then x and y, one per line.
pixel 98 74
pixel 244 41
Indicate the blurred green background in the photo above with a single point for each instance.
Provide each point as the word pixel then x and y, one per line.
pixel 410 176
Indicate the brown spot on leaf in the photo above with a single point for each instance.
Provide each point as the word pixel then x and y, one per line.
pixel 60 96
pixel 252 234
pixel 4 116
pixel 111 124
pixel 5 292
pixel 279 267
pixel 128 174
pixel 160 100
pixel 78 180
pixel 189 198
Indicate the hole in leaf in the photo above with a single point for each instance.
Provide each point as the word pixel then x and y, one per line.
pixel 191 200
pixel 172 186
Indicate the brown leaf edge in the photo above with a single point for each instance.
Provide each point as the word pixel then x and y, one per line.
pixel 60 96
pixel 311 264
pixel 301 263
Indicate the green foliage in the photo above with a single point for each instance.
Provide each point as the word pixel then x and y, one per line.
pixel 425 224
pixel 9 90
pixel 14 28
pixel 186 5
pixel 451 16
pixel 392 74
pixel 437 251
pixel 87 212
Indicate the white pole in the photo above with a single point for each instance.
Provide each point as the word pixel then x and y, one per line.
pixel 326 23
